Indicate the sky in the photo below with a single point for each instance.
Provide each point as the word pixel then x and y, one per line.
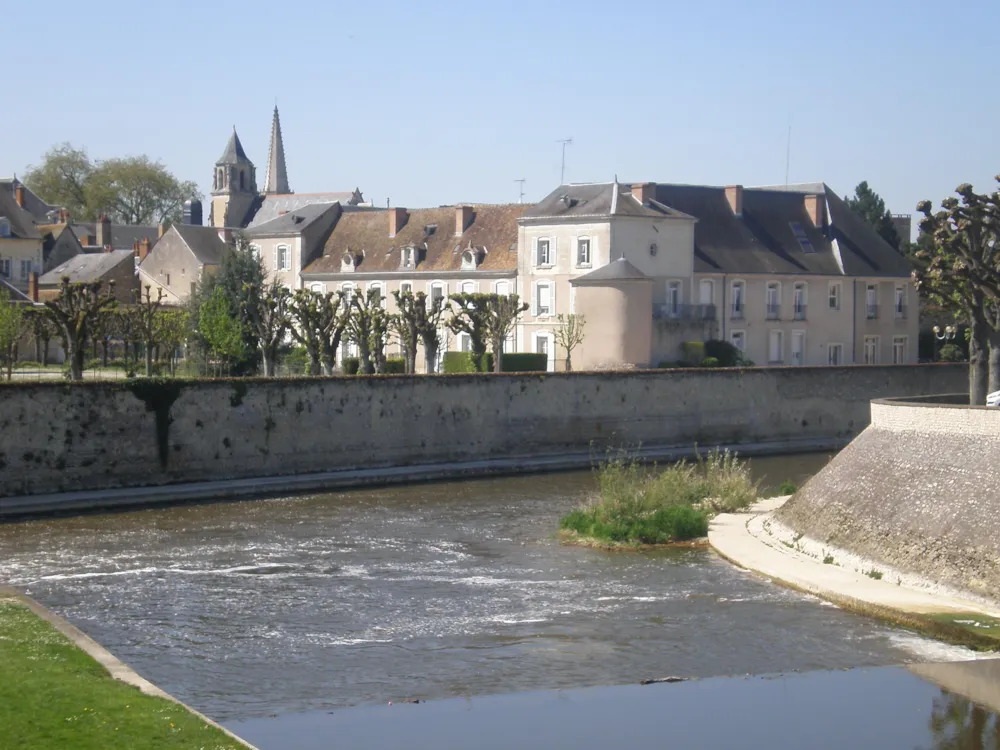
pixel 431 103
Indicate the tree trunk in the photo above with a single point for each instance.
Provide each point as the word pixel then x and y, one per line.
pixel 431 355
pixel 569 360
pixel 366 358
pixel 75 353
pixel 315 368
pixel 498 357
pixel 104 352
pixel 149 361
pixel 994 360
pixel 38 348
pixel 45 351
pixel 979 369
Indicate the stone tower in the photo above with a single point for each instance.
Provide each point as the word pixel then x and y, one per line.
pixel 276 180
pixel 234 186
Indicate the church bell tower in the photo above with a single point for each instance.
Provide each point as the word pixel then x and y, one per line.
pixel 234 186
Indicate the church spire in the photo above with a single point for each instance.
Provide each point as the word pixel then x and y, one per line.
pixel 276 180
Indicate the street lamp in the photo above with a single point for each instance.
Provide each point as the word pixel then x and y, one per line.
pixel 948 334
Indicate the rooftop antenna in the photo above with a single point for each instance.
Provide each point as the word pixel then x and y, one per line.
pixel 520 190
pixel 562 172
pixel 788 153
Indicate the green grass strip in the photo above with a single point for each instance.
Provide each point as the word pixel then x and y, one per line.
pixel 53 695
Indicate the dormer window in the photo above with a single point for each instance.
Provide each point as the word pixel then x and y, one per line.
pixel 469 260
pixel 4 227
pixel 407 258
pixel 347 263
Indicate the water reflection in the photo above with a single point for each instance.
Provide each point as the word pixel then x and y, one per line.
pixel 959 724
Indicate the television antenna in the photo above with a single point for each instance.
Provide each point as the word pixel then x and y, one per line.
pixel 562 172
pixel 520 190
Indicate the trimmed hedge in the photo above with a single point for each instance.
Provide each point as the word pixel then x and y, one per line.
pixel 395 366
pixel 462 362
pixel 693 352
pixel 459 362
pixel 350 365
pixel 525 362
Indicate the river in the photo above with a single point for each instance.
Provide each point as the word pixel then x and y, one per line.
pixel 290 605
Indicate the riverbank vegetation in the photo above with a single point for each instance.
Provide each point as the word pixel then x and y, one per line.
pixel 54 695
pixel 637 505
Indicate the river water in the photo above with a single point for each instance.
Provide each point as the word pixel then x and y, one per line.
pixel 291 605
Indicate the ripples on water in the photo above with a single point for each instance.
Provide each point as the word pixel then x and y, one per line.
pixel 432 591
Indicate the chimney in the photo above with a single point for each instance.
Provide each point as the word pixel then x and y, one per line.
pixel 33 286
pixel 19 195
pixel 62 215
pixel 87 240
pixel 107 249
pixel 644 192
pixel 463 217
pixel 397 220
pixel 144 244
pixel 161 229
pixel 734 194
pixel 103 228
pixel 226 235
pixel 816 208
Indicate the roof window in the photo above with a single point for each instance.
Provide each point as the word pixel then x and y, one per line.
pixel 801 237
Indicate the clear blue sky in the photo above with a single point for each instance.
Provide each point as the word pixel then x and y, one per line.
pixel 439 102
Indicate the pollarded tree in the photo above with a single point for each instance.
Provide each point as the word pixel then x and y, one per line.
pixel 405 325
pixel 959 261
pixel 472 317
pixel 267 311
pixel 14 324
pixel 426 320
pixel 79 310
pixel 310 315
pixel 504 311
pixel 42 331
pixel 569 335
pixel 143 322
pixel 869 205
pixel 368 327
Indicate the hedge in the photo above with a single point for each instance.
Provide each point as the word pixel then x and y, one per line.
pixel 395 366
pixel 460 362
pixel 350 365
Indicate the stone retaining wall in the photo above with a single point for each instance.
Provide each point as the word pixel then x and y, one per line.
pixel 100 435
pixel 918 490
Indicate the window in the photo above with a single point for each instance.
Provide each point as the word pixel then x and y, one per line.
pixel 242 180
pixel 168 278
pixel 899 306
pixel 544 254
pixel 835 296
pixel 376 287
pixel 739 340
pixel 773 300
pixel 467 287
pixel 801 237
pixel 835 354
pixel 543 345
pixel 798 347
pixel 255 249
pixel 871 301
pixel 871 350
pixel 464 342
pixel 739 291
pixel 543 299
pixel 406 288
pixel 318 288
pixel 348 290
pixel 469 260
pixel 583 251
pixel 673 299
pixel 437 293
pixel 5 267
pixel 776 348
pixel 799 301
pixel 4 227
pixel 25 269
pixel 706 292
pixel 282 258
pixel 194 287
pixel 503 288
pixel 408 257
pixel 899 350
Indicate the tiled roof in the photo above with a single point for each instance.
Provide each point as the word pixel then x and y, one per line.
pixel 492 232
pixel 123 236
pixel 22 224
pixel 293 221
pixel 87 267
pixel 269 207
pixel 276 180
pixel 616 270
pixel 596 199
pixel 13 293
pixel 764 240
pixel 34 205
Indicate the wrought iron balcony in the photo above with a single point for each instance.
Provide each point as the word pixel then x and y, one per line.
pixel 684 312
pixel 773 311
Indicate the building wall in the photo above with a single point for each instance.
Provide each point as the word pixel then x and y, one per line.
pixel 172 267
pixel 674 251
pixel 97 435
pixel 618 328
pixel 268 248
pixel 16 250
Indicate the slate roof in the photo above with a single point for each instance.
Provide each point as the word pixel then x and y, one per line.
pixel 234 153
pixel 123 236
pixel 597 200
pixel 268 207
pixel 276 180
pixel 492 231
pixel 616 270
pixel 293 222
pixel 34 205
pixel 204 242
pixel 22 223
pixel 87 267
pixel 763 240
pixel 13 293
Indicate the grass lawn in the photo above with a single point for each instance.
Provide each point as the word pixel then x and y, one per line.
pixel 52 695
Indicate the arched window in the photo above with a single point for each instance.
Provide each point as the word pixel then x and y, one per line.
pixel 438 290
pixel 242 180
pixel 348 289
pixel 282 258
pixel 467 287
pixel 378 288
pixel 318 288
pixel 469 260
pixel 503 288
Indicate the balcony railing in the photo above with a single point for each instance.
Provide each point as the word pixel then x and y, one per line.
pixel 685 312
pixel 773 311
pixel 799 312
pixel 871 311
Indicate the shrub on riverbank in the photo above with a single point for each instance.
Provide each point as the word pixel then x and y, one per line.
pixel 638 506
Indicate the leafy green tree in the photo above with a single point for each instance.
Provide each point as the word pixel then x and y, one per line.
pixel 130 190
pixel 14 324
pixel 143 322
pixel 368 327
pixel 870 206
pixel 504 311
pixel 78 311
pixel 220 329
pixel 172 333
pixel 957 263
pixel 267 311
pixel 472 317
pixel 569 335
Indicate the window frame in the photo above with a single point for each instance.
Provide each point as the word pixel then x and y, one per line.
pixel 899 302
pixel 5 227
pixel 871 301
pixel 835 290
pixel 742 335
pixel 830 348
pixel 438 284
pixel 507 285
pixel 799 334
pixel 537 299
pixel 589 262
pixel 550 348
pixel 772 310
pixel 800 297
pixel 771 335
pixel 900 344
pixel 875 342
pixel 673 306
pixel 737 313
pixel 548 252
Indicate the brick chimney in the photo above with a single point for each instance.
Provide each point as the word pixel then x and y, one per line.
pixel 644 192
pixel 734 194
pixel 19 195
pixel 63 216
pixel 103 229
pixel 144 244
pixel 33 286
pixel 463 217
pixel 816 208
pixel 397 220
pixel 161 229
